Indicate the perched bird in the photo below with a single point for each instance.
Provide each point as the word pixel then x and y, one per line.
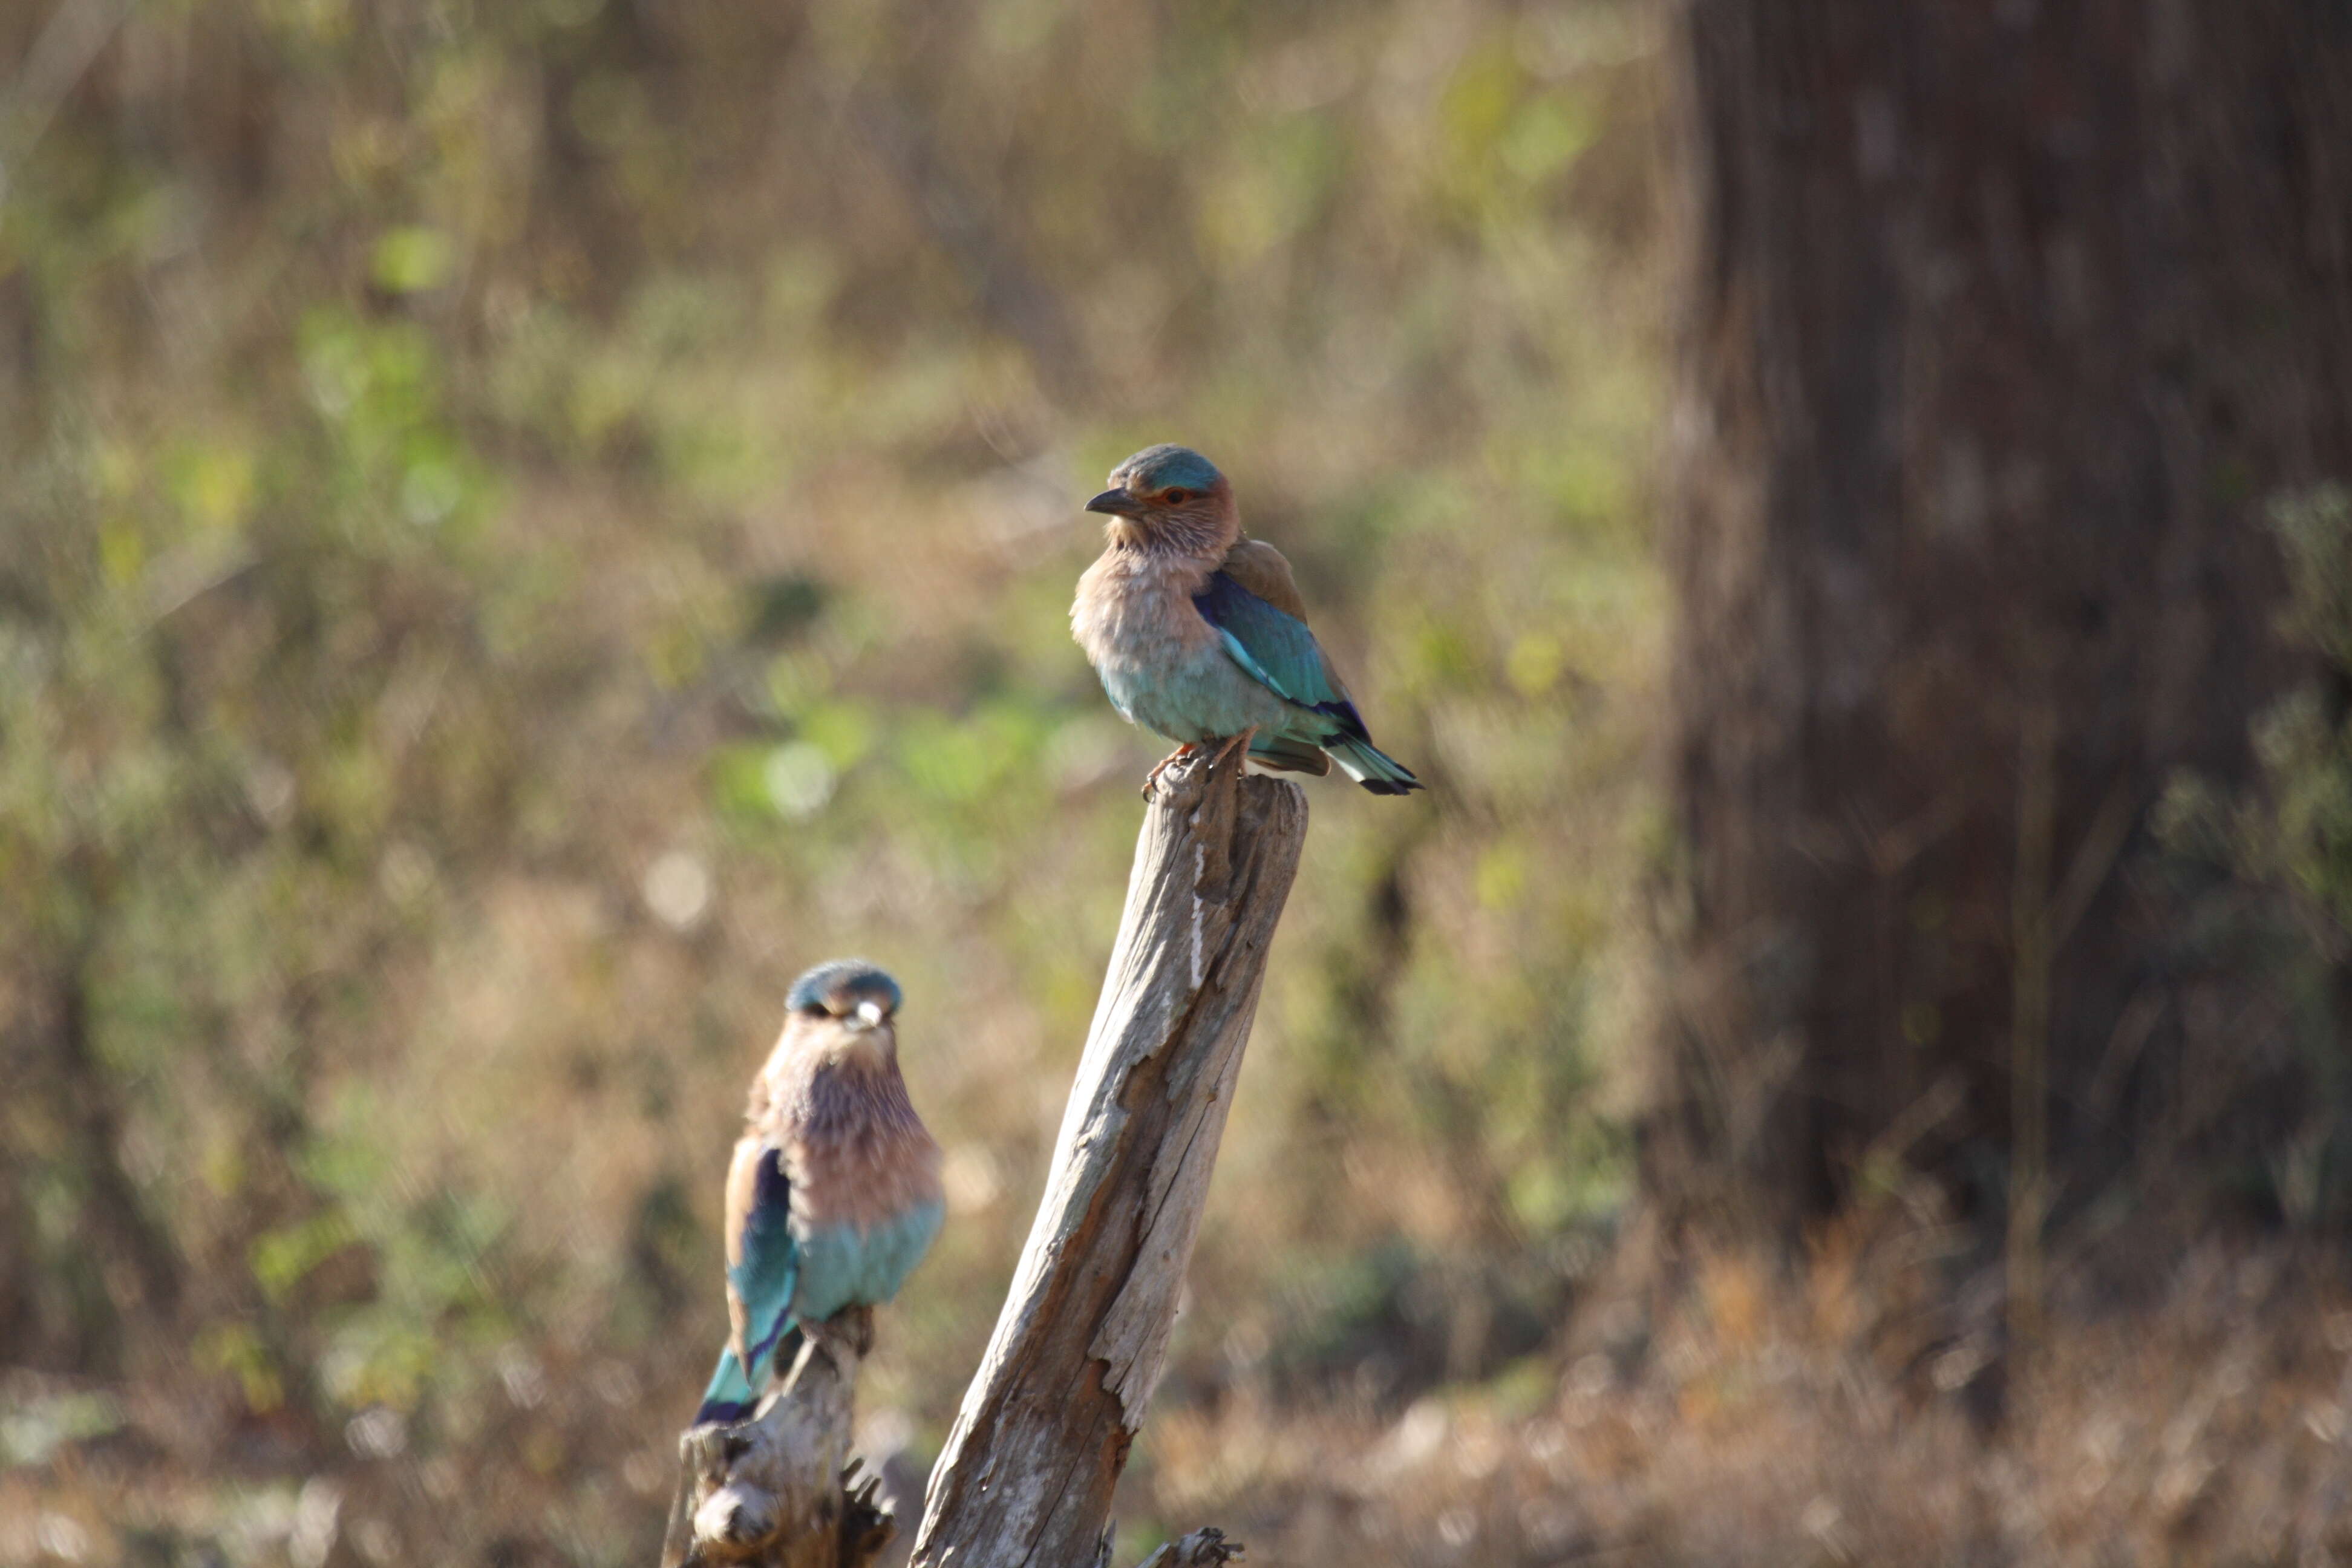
pixel 834 1192
pixel 1200 634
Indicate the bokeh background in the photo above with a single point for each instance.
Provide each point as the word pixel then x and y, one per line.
pixel 524 525
pixel 527 525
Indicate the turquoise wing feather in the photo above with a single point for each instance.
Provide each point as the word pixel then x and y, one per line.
pixel 1277 649
pixel 760 1285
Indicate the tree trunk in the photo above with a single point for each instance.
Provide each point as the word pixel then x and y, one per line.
pixel 2008 322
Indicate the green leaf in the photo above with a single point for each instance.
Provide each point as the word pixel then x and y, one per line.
pixel 410 260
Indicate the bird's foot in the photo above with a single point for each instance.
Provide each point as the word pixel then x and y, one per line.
pixel 1239 743
pixel 1151 779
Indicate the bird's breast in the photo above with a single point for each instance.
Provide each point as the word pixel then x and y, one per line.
pixel 1133 607
pixel 841 1265
pixel 862 1175
pixel 866 1196
pixel 1135 618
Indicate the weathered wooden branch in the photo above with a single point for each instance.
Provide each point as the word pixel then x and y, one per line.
pixel 778 1492
pixel 1045 1427
pixel 1202 1549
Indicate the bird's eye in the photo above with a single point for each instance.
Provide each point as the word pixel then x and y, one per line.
pixel 1176 496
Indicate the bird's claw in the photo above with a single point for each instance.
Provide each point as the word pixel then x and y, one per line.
pixel 1151 779
pixel 1242 741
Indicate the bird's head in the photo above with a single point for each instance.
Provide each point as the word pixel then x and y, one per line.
pixel 845 1006
pixel 1169 499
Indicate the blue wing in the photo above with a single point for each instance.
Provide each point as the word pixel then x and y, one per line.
pixel 1277 649
pixel 759 1282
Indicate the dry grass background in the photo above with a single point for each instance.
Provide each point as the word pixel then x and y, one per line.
pixel 527 525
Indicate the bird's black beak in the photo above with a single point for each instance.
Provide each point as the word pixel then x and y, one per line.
pixel 1117 503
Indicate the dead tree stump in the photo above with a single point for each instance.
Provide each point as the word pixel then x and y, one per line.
pixel 778 1491
pixel 1045 1427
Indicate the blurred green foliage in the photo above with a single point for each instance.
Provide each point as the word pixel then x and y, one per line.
pixel 523 525
pixel 2274 862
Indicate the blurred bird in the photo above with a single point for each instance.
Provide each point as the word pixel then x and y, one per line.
pixel 834 1193
pixel 1200 634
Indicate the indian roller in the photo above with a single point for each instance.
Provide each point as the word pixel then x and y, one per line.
pixel 1199 635
pixel 834 1192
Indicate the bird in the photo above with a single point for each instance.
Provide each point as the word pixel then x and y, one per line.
pixel 1199 635
pixel 833 1195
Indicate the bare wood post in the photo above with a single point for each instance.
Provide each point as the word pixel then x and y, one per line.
pixel 1045 1427
pixel 776 1491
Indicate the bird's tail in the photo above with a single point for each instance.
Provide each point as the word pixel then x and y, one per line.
pixel 730 1396
pixel 1371 767
pixel 1288 754
pixel 734 1393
